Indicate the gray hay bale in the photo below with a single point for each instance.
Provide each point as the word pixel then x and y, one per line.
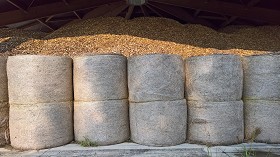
pixel 215 123
pixel 4 123
pixel 262 121
pixel 102 122
pixel 3 80
pixel 158 123
pixel 261 77
pixel 155 77
pixel 39 79
pixel 40 126
pixel 214 78
pixel 100 77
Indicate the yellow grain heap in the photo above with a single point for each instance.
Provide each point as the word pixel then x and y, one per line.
pixel 150 35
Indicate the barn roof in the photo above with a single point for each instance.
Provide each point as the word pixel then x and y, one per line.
pixel 49 15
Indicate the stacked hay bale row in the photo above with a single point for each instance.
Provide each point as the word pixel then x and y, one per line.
pixel 214 91
pixel 262 98
pixel 4 106
pixel 40 97
pixel 158 110
pixel 101 105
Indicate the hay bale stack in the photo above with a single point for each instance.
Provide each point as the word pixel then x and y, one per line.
pixel 262 98
pixel 101 106
pixel 155 77
pixel 100 77
pixel 262 121
pixel 215 123
pixel 4 106
pixel 214 90
pixel 158 111
pixel 158 123
pixel 40 92
pixel 261 77
pixel 102 122
pixel 214 78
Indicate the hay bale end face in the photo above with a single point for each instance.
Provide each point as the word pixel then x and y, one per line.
pixel 158 123
pixel 39 79
pixel 215 123
pixel 102 122
pixel 155 77
pixel 214 78
pixel 262 121
pixel 261 77
pixel 40 126
pixel 100 77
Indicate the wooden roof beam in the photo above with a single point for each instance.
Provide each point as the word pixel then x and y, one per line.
pixel 48 10
pixel 233 18
pixel 153 10
pixel 226 8
pixel 46 25
pixel 181 14
pixel 19 5
pixel 144 10
pixel 129 12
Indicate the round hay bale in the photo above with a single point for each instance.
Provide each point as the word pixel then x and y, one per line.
pixel 4 123
pixel 215 123
pixel 214 78
pixel 155 77
pixel 40 126
pixel 261 77
pixel 39 79
pixel 262 121
pixel 3 80
pixel 101 122
pixel 158 123
pixel 100 77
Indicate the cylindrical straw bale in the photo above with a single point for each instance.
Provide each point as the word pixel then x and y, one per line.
pixel 102 122
pixel 155 77
pixel 214 78
pixel 158 123
pixel 262 121
pixel 40 126
pixel 100 77
pixel 215 123
pixel 4 123
pixel 3 80
pixel 261 77
pixel 39 79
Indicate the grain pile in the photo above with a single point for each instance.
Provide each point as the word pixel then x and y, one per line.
pixel 12 38
pixel 150 34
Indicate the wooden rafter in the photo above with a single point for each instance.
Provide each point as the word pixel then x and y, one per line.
pixel 77 15
pixel 30 24
pixel 181 14
pixel 153 10
pixel 46 25
pixel 226 8
pixel 102 10
pixel 144 10
pixel 129 12
pixel 48 10
pixel 233 18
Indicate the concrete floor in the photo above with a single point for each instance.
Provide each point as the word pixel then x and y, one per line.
pixel 136 150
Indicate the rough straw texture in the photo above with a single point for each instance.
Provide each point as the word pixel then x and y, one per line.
pixel 215 123
pixel 155 77
pixel 262 77
pixel 39 126
pixel 4 123
pixel 158 123
pixel 3 80
pixel 39 79
pixel 146 35
pixel 102 122
pixel 100 77
pixel 214 78
pixel 264 116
